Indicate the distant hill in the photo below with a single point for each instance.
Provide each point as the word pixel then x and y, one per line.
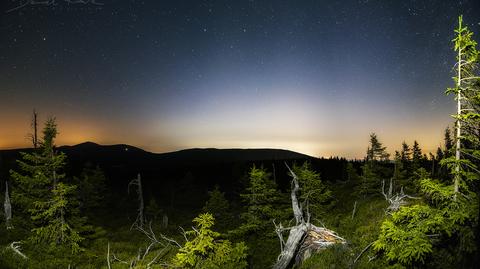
pixel 126 155
pixel 204 155
pixel 124 161
pixel 184 176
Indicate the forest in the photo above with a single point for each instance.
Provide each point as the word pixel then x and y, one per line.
pixel 93 206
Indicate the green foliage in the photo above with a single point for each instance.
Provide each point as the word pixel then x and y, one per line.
pixel 376 151
pixel 205 250
pixel 40 171
pixel 446 221
pixel 448 142
pixel 373 171
pixel 262 199
pixel 402 239
pixel 351 172
pixel 219 207
pixel 412 234
pixel 39 193
pixel 314 193
pixel 51 215
pixel 417 156
pixel 400 176
pixel 91 188
pixel 332 258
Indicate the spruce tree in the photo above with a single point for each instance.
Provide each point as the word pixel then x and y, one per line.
pixel 417 156
pixel 447 138
pixel 41 193
pixel 405 154
pixel 373 171
pixel 447 218
pixel 376 151
pixel 91 188
pixel 261 198
pixel 400 177
pixel 219 207
pixel 205 249
pixel 314 195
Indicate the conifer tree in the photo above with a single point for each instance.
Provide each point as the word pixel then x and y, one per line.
pixel 262 199
pixel 448 142
pixel 91 188
pixel 351 172
pixel 417 156
pixel 315 196
pixel 373 171
pixel 376 151
pixel 400 178
pixel 205 250
pixel 467 95
pixel 219 207
pixel 406 153
pixel 449 212
pixel 42 194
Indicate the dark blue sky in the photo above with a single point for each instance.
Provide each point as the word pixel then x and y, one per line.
pixel 311 76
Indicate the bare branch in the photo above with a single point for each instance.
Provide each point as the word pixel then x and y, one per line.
pixel 363 251
pixel 16 248
pixel 140 220
pixel 108 256
pixel 354 209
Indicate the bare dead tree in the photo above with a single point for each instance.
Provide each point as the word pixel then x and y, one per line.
pixel 108 256
pixel 15 247
pixel 354 209
pixel 34 125
pixel 396 200
pixel 304 237
pixel 165 220
pixel 162 241
pixel 363 251
pixel 8 208
pixel 140 220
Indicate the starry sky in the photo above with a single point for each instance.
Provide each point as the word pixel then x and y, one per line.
pixel 310 76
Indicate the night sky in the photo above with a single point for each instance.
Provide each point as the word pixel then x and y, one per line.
pixel 311 76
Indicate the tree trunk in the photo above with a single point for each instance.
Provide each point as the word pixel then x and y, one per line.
pixel 304 237
pixel 458 123
pixel 140 197
pixel 8 208
pixel 295 236
pixel 140 221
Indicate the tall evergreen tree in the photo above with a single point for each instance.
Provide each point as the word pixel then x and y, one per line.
pixel 406 153
pixel 447 138
pixel 376 151
pixel 467 95
pixel 373 172
pixel 447 218
pixel 219 207
pixel 91 188
pixel 315 195
pixel 42 194
pixel 262 199
pixel 417 156
pixel 400 178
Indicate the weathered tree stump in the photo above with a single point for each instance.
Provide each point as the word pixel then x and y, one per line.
pixel 304 238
